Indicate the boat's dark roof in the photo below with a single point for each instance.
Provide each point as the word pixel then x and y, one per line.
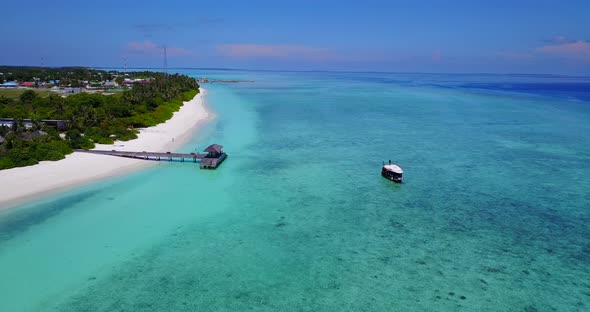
pixel 393 168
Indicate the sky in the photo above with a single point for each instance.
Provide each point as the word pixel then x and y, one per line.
pixel 518 36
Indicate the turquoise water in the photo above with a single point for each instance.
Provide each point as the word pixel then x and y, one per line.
pixel 493 214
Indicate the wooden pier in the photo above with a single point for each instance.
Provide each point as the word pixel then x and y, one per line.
pixel 214 157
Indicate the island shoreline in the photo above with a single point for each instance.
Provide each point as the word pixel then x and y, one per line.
pixel 25 184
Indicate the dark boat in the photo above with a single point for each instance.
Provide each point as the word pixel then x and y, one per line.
pixel 392 172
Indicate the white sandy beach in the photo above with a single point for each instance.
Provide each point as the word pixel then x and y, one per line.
pixel 25 183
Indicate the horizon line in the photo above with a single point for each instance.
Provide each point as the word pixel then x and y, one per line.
pixel 303 71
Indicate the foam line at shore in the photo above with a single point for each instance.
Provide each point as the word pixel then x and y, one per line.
pixel 19 185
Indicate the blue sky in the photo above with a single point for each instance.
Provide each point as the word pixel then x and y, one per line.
pixel 400 36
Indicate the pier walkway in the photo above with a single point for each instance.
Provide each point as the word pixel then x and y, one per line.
pixel 214 157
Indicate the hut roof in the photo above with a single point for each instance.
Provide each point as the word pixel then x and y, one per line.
pixel 215 148
pixel 39 133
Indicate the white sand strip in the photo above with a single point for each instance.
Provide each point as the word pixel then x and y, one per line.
pixel 19 185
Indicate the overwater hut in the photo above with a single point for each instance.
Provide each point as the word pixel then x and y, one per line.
pixel 214 151
pixel 215 156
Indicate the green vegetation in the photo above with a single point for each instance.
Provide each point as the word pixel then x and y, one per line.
pixel 24 149
pixel 91 118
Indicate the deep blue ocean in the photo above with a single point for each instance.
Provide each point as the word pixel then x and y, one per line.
pixel 493 214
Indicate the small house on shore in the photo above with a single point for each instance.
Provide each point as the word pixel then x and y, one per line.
pixel 27 84
pixel 66 90
pixel 38 133
pixel 28 123
pixel 110 84
pixel 27 137
pixel 10 84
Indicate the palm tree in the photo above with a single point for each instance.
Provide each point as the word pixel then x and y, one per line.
pixel 36 122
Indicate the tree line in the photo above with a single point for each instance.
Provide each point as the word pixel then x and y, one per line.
pixel 68 76
pixel 90 118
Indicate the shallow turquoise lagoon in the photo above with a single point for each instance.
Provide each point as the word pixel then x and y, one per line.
pixel 494 213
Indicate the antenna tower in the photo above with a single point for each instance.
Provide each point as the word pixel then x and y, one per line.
pixel 165 63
